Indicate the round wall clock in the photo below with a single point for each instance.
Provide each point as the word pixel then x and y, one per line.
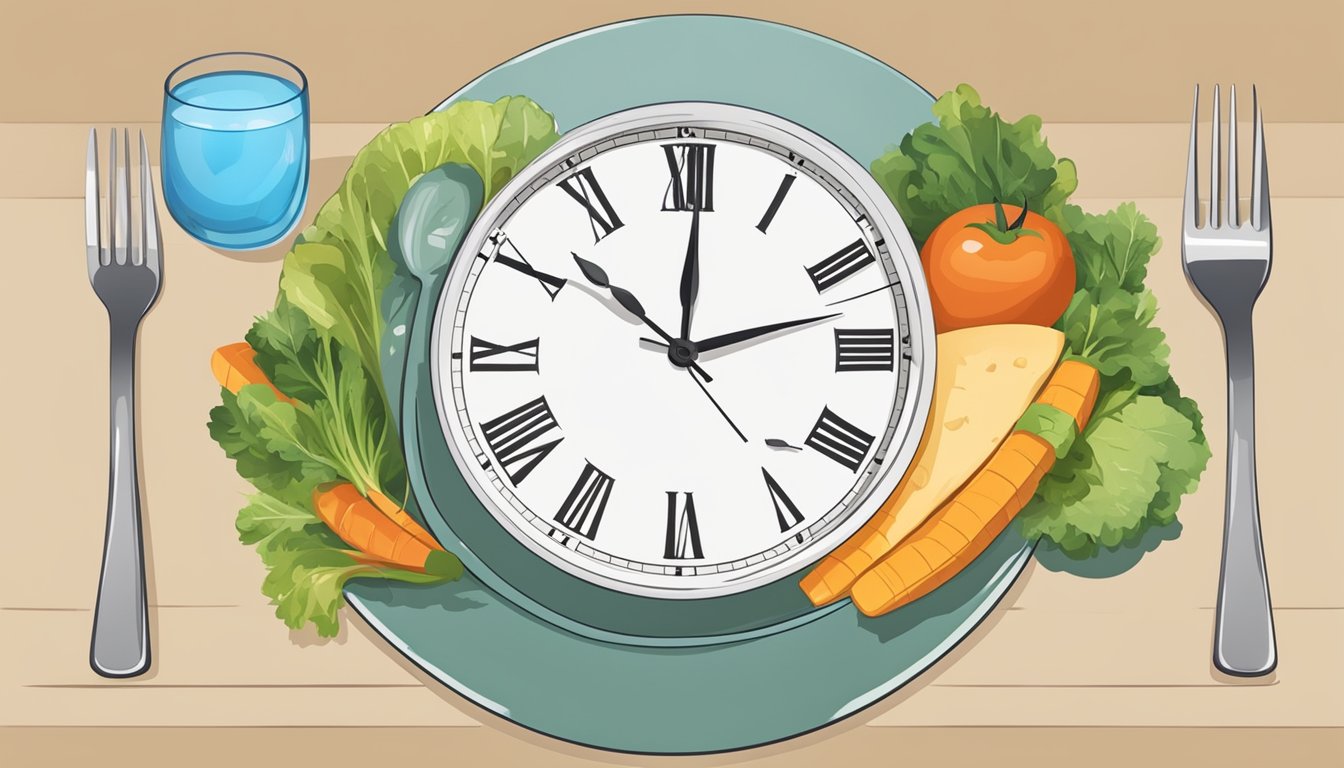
pixel 677 359
pixel 685 352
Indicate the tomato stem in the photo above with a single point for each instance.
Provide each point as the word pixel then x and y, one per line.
pixel 1001 231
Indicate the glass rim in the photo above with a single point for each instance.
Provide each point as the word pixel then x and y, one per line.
pixel 168 91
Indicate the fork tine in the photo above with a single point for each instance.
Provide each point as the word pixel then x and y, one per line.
pixel 149 217
pixel 92 223
pixel 124 210
pixel 1233 201
pixel 1215 159
pixel 113 228
pixel 1259 171
pixel 119 205
pixel 1192 171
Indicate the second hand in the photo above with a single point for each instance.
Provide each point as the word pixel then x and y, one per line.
pixel 718 407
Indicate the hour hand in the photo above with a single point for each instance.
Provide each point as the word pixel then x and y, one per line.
pixel 598 276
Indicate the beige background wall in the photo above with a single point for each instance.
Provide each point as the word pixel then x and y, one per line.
pixel 383 60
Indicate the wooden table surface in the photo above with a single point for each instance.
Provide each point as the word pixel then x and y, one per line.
pixel 1066 669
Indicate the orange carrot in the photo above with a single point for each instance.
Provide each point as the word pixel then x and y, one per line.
pixel 963 528
pixel 363 526
pixel 393 510
pixel 235 366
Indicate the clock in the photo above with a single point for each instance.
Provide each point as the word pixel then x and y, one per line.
pixel 684 353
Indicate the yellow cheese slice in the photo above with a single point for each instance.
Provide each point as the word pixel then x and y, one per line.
pixel 986 378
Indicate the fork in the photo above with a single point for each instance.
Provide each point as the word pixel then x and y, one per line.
pixel 126 279
pixel 1227 263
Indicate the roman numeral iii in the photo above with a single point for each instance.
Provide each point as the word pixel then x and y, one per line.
pixel 516 438
pixel 583 187
pixel 489 356
pixel 692 169
pixel 786 512
pixel 833 269
pixel 864 349
pixel 839 441
pixel 582 509
pixel 683 532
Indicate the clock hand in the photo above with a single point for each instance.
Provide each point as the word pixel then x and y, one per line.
pixel 717 407
pixel 892 284
pixel 597 276
pixel 690 274
pixel 737 337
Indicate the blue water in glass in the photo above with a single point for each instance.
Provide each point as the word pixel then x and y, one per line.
pixel 235 157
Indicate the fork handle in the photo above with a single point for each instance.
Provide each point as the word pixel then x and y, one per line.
pixel 1243 641
pixel 120 646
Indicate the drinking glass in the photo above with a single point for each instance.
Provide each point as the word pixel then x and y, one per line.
pixel 235 148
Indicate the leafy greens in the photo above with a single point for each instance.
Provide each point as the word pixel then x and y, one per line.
pixel 1144 447
pixel 319 345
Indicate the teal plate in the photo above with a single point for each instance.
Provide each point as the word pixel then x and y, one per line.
pixel 660 692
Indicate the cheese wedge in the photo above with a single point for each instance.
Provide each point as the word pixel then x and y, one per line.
pixel 986 378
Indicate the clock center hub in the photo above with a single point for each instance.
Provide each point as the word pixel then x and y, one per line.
pixel 682 353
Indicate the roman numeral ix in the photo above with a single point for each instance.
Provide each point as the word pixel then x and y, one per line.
pixel 515 438
pixel 833 269
pixel 839 441
pixel 683 532
pixel 864 349
pixel 582 510
pixel 692 185
pixel 583 187
pixel 489 356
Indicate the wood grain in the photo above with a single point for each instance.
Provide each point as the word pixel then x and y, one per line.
pixel 1122 161
pixel 1071 63
pixel 1063 657
pixel 515 748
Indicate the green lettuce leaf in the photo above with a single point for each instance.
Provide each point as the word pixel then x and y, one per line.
pixel 1136 461
pixel 287 348
pixel 307 567
pixel 265 438
pixel 319 346
pixel 267 521
pixel 1110 250
pixel 339 266
pixel 347 412
pixel 968 157
pixel 1112 330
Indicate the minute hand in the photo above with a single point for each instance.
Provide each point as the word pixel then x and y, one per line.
pixel 737 337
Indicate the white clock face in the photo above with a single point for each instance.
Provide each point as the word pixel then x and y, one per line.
pixel 678 357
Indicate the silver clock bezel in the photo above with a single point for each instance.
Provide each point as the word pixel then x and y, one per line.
pixel 883 218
